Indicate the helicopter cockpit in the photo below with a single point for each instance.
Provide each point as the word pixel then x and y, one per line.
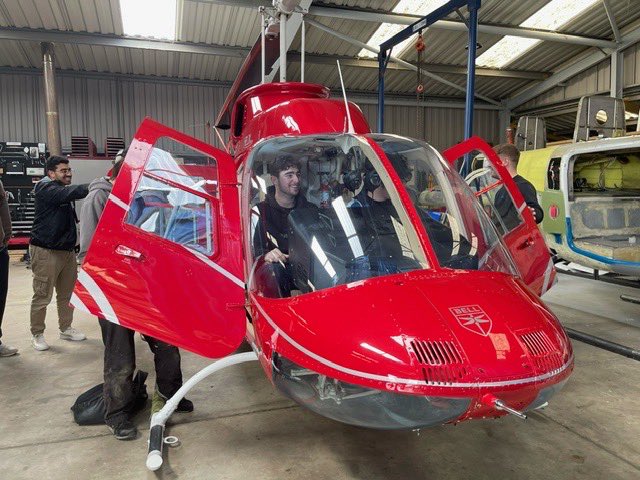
pixel 339 217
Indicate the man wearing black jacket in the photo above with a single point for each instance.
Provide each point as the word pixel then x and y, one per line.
pixel 271 237
pixel 53 241
pixel 510 155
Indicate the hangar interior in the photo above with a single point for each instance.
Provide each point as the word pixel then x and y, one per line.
pixel 111 63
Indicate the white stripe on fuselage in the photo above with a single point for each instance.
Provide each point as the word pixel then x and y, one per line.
pixel 77 303
pixel 547 276
pixel 406 381
pixel 98 296
pixel 216 267
pixel 118 202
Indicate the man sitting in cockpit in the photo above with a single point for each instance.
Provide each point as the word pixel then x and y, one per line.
pixel 379 221
pixel 271 235
pixel 452 249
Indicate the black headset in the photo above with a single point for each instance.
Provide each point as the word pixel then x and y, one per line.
pixel 352 180
pixel 371 180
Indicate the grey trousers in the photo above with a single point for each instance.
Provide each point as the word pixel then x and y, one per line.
pixel 52 268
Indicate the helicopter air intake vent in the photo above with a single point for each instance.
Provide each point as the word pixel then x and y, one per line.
pixel 542 351
pixel 537 343
pixel 436 353
pixel 441 360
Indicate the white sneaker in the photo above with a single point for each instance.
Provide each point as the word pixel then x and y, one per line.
pixel 72 334
pixel 39 342
pixel 6 351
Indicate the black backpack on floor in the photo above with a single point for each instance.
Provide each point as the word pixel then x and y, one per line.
pixel 89 408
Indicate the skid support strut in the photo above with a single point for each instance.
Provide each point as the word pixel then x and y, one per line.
pixel 159 419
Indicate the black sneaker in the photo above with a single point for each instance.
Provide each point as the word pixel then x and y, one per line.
pixel 125 430
pixel 185 406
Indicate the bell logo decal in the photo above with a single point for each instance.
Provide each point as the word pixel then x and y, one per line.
pixel 473 318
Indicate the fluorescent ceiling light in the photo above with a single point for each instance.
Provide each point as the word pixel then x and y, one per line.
pixel 149 18
pixel 553 16
pixel 388 30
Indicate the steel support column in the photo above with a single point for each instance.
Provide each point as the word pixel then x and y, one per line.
pixel 617 74
pixel 382 65
pixel 471 79
pixel 504 122
pixel 51 99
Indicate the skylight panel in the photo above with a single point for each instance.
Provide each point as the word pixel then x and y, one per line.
pixel 149 18
pixel 388 30
pixel 553 16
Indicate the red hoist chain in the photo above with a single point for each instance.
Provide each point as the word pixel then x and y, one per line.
pixel 420 89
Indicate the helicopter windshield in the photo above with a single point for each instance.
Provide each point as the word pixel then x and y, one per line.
pixel 323 212
pixel 460 231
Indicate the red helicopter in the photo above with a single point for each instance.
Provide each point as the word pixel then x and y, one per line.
pixel 400 314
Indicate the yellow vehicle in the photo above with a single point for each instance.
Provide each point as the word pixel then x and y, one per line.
pixel 590 194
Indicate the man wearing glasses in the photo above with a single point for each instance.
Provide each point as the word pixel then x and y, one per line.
pixel 52 249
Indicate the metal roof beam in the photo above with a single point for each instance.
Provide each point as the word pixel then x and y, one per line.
pixel 385 17
pixel 431 67
pixel 380 16
pixel 580 66
pixel 79 38
pixel 612 20
pixel 399 61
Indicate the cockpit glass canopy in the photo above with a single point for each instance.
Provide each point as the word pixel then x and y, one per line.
pixel 323 211
pixel 459 229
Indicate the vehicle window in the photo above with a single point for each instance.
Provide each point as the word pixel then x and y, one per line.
pixel 495 198
pixel 173 199
pixel 553 174
pixel 458 226
pixel 323 204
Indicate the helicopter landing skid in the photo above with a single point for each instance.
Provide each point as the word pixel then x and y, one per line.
pixel 159 419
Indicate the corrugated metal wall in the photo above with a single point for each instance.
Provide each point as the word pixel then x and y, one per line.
pixel 100 108
pixel 441 127
pixel 596 79
pixel 114 106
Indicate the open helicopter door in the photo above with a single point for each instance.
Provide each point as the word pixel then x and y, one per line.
pixel 502 201
pixel 166 258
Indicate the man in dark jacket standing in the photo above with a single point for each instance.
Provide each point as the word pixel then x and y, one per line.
pixel 53 240
pixel 5 235
pixel 510 155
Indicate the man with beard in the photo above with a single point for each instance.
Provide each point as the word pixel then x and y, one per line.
pixel 52 249
pixel 271 238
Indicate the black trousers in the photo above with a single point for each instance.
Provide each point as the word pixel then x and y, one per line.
pixel 120 364
pixel 4 282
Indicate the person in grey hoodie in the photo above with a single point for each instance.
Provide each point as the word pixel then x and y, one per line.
pixel 92 208
pixel 5 235
pixel 119 347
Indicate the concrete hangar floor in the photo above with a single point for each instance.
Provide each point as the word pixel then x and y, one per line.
pixel 242 428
